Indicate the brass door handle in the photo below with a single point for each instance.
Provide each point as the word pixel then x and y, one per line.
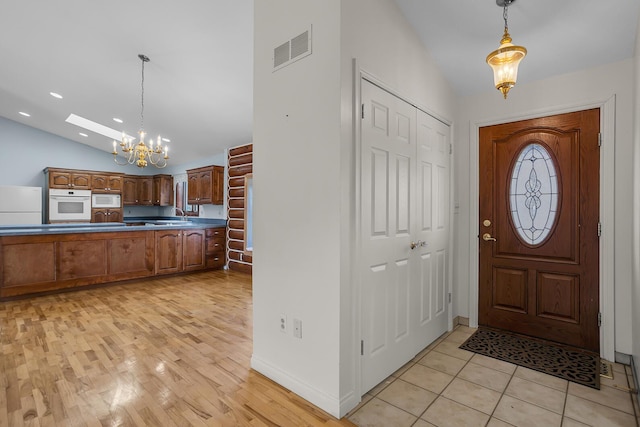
pixel 487 237
pixel 420 243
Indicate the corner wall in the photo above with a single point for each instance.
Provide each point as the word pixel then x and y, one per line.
pixel 635 302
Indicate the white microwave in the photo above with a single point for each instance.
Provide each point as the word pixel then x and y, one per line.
pixel 106 201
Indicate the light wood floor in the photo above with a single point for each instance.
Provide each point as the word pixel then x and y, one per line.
pixel 166 352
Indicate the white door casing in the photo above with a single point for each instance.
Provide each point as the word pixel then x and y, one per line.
pixel 404 176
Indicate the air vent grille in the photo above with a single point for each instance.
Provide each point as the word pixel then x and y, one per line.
pixel 292 50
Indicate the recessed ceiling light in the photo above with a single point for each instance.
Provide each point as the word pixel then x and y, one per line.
pixel 55 95
pixel 24 114
pixel 166 140
pixel 83 134
pixel 117 120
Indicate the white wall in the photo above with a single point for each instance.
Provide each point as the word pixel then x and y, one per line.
pixel 296 152
pixel 561 92
pixel 635 305
pixel 304 183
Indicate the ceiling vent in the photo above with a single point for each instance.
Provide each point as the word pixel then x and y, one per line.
pixel 292 50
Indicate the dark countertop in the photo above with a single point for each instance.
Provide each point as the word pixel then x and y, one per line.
pixel 130 224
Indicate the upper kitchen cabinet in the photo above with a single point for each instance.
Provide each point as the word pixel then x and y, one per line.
pixel 68 179
pixel 163 190
pixel 138 190
pixel 205 185
pixel 107 183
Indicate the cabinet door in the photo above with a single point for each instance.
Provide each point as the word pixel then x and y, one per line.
pixel 130 190
pixel 81 181
pixel 193 248
pixel 114 215
pixel 218 185
pixel 205 179
pixel 99 215
pixel 59 179
pixel 99 182
pixel 145 190
pixel 114 183
pixel 162 190
pixel 168 251
pixel 193 190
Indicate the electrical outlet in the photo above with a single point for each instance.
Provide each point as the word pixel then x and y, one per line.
pixel 283 323
pixel 297 328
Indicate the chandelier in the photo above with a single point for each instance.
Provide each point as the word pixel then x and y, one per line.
pixel 141 153
pixel 505 60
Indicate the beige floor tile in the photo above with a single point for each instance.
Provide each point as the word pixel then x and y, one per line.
pixel 618 367
pixel 452 349
pixel 523 414
pixel 442 362
pixel 384 384
pixel 367 397
pixel 408 397
pixel 607 396
pixel 423 423
pixel 540 378
pixel 594 414
pixel 472 395
pixel 467 329
pixel 537 394
pixel 619 380
pixel 458 336
pixel 568 422
pixel 402 370
pixel 427 378
pixel 378 413
pixel 494 422
pixel 447 413
pixel 490 362
pixel 485 377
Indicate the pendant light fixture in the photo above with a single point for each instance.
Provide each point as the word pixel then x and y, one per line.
pixel 141 153
pixel 505 60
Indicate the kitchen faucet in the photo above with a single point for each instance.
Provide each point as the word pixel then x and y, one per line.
pixel 183 213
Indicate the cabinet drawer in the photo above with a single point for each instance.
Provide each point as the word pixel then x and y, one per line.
pixel 216 232
pixel 215 260
pixel 215 244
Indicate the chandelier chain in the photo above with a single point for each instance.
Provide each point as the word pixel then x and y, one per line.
pixel 505 14
pixel 142 98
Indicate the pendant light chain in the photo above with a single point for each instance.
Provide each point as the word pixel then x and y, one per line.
pixel 142 96
pixel 504 15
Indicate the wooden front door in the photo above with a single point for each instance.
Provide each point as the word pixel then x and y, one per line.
pixel 539 227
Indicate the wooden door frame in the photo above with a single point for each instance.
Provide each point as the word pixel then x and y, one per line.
pixel 356 273
pixel 607 211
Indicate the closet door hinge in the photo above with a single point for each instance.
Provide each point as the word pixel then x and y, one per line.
pixel 449 297
pixel 362 111
pixel 599 139
pixel 361 347
pixel 599 229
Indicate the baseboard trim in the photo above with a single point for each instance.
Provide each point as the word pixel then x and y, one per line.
pixel 324 401
pixel 459 320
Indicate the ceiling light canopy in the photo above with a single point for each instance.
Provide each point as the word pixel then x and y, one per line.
pixel 505 60
pixel 142 153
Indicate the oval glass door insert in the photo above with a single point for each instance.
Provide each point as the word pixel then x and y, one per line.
pixel 533 194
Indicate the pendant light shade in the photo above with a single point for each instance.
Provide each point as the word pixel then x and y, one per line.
pixel 504 61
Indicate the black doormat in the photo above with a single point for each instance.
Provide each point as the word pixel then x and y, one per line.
pixel 569 363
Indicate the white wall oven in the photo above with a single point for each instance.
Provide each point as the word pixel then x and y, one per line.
pixel 69 205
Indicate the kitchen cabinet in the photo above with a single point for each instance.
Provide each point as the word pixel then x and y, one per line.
pixel 205 185
pixel 107 183
pixel 215 247
pixel 106 215
pixel 68 179
pixel 179 250
pixel 137 190
pixel 163 190
pixel 40 263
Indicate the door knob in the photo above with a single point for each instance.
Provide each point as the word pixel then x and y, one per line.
pixel 420 243
pixel 487 237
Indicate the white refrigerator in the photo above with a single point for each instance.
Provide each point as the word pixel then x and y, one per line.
pixel 20 205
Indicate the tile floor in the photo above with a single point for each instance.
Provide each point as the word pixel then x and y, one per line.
pixel 445 386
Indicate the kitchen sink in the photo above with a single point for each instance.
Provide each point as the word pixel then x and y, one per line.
pixel 168 223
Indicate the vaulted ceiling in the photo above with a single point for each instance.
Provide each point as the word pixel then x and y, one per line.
pixel 198 84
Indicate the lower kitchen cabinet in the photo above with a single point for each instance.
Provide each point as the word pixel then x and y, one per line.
pixel 179 250
pixel 106 215
pixel 215 244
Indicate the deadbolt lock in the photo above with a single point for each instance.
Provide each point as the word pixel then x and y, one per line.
pixel 486 223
